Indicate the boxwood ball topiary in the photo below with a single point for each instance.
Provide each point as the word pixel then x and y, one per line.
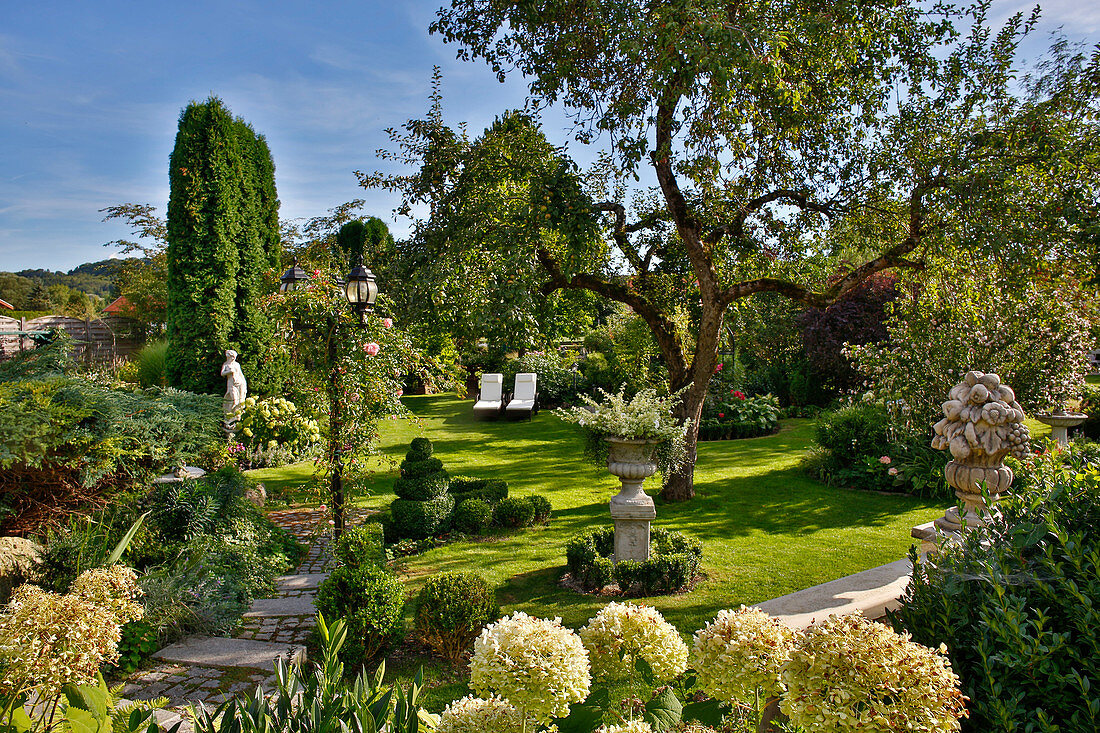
pixel 451 610
pixel 372 602
pixel 422 445
pixel 419 519
pixel 473 516
pixel 514 512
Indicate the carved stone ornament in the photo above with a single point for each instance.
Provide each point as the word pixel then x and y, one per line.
pixel 632 509
pixel 982 424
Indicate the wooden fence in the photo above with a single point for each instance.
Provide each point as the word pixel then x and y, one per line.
pixel 104 340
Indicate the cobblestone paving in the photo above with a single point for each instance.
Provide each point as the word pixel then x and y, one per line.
pixel 184 685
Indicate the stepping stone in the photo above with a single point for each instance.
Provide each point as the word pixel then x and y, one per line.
pixel 273 607
pixel 302 581
pixel 872 592
pixel 210 651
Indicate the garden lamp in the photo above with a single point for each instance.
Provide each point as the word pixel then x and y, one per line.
pixel 361 290
pixel 292 278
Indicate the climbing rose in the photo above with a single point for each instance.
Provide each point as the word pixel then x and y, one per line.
pixel 884 460
pixel 475 715
pixel 623 632
pixel 370 349
pixel 387 322
pixel 538 665
pixel 740 652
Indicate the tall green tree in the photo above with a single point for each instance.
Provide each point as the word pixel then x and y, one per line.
pixel 222 253
pixel 764 124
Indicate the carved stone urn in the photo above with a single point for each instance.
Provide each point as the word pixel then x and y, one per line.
pixel 632 509
pixel 982 424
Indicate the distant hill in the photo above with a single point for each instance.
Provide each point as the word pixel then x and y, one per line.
pixel 93 278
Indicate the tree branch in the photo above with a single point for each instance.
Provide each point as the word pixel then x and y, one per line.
pixel 736 228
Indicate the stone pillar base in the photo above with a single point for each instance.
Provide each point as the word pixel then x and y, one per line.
pixel 632 520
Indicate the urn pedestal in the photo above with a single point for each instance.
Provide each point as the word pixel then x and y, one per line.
pixel 1060 423
pixel 632 509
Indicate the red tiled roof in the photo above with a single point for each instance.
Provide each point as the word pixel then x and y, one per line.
pixel 120 305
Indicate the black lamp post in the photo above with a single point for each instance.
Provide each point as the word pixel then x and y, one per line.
pixel 361 291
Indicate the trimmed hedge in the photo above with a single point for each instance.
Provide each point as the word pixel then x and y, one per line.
pixel 541 507
pixel 472 516
pixel 514 512
pixel 672 565
pixel 419 519
pixel 451 610
pixel 362 545
pixel 467 487
pixel 425 488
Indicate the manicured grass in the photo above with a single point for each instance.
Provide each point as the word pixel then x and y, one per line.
pixel 767 529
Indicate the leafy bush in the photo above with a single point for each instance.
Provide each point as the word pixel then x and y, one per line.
pixel 274 432
pixel 541 507
pixel 1018 602
pixel 450 611
pixel 488 490
pixel 737 416
pixel 423 488
pixel 854 432
pixel 363 545
pixel 419 519
pixel 151 364
pixel 1090 405
pixel 371 601
pixel 472 516
pixel 422 446
pixel 673 562
pixel 137 643
pixel 514 512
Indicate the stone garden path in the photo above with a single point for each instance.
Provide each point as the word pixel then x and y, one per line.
pixel 205 669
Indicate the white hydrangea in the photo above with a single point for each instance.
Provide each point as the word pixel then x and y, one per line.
pixel 538 665
pixel 740 652
pixel 477 715
pixel 622 632
pixel 634 726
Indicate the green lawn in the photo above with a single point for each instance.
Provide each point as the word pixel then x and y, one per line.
pixel 767 529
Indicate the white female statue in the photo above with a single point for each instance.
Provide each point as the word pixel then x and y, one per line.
pixel 236 386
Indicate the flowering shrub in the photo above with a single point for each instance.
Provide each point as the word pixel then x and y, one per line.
pixel 634 726
pixel 478 715
pixel 740 654
pixel 49 640
pixel 851 674
pixel 644 417
pixel 538 665
pixel 623 632
pixel 273 431
pixel 736 415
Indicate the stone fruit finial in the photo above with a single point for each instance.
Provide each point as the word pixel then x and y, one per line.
pixel 983 422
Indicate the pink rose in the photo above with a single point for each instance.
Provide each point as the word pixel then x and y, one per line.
pixel 323 507
pixel 400 392
pixel 893 471
pixel 370 349
pixel 317 273
pixel 387 322
pixel 718 368
pixel 884 460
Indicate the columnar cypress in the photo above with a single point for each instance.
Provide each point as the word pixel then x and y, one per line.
pixel 204 226
pixel 223 239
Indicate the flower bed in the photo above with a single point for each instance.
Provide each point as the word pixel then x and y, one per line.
pixel 738 416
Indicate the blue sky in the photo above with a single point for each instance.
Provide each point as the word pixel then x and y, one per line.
pixel 90 94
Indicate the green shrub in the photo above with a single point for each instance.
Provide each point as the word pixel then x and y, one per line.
pixel 363 545
pixel 514 512
pixel 425 488
pixel 422 446
pixel 472 516
pixel 734 415
pixel 672 565
pixel 415 469
pixel 854 432
pixel 151 364
pixel 138 642
pixel 488 490
pixel 451 610
pixel 557 383
pixel 419 519
pixel 1018 602
pixel 274 432
pixel 371 601
pixel 541 507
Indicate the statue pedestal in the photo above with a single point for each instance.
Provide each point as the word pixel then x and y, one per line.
pixel 632 515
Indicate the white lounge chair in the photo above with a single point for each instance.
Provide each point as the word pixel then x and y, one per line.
pixel 490 399
pixel 525 397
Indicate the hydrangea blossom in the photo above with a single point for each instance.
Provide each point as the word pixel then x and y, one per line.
pixel 477 715
pixel 623 632
pixel 741 652
pixel 114 588
pixel 851 674
pixel 634 726
pixel 538 665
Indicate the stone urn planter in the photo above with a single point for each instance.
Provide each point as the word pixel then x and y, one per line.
pixel 631 460
pixel 982 424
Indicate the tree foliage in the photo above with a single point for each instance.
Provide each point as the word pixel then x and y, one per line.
pixel 223 248
pixel 782 135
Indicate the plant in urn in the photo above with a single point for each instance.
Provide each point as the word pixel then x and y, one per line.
pixel 982 424
pixel 634 438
